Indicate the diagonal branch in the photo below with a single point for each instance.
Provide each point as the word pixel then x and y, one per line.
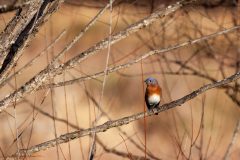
pixel 120 153
pixel 144 56
pixel 31 62
pixel 55 68
pixel 123 121
pixel 13 30
pixel 21 30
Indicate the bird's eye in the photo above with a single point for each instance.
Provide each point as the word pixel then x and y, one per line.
pixel 150 81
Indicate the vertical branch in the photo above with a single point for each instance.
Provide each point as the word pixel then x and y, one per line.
pixel 233 141
pixel 93 147
pixel 66 110
pixel 52 104
pixel 15 118
pixel 144 119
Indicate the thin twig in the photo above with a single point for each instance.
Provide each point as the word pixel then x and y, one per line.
pixel 121 154
pixel 233 141
pixel 144 56
pixel 30 63
pixel 97 117
pixel 78 37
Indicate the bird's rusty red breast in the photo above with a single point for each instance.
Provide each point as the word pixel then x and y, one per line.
pixel 154 89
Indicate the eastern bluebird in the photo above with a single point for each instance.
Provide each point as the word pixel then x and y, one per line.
pixel 153 93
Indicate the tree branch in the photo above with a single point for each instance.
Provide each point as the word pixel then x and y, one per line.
pixel 20 22
pixel 123 121
pixel 144 56
pixel 20 30
pixel 31 62
pixel 55 68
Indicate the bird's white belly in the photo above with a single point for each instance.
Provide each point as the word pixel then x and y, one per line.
pixel 153 99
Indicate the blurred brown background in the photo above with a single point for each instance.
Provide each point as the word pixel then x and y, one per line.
pixel 171 133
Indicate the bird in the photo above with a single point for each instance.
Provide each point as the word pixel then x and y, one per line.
pixel 153 93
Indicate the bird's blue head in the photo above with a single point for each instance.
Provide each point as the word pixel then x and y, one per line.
pixel 151 81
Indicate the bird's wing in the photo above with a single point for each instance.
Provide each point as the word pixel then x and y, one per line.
pixel 146 99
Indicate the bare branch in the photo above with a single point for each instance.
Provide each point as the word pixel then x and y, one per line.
pixel 14 28
pixel 30 63
pixel 126 120
pixel 146 55
pixel 103 113
pixel 54 69
pixel 21 30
